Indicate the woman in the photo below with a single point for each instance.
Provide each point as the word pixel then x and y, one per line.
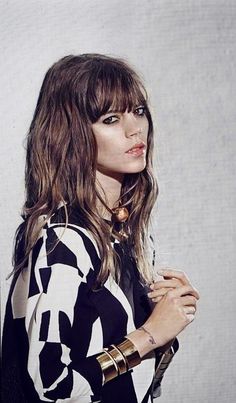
pixel 81 324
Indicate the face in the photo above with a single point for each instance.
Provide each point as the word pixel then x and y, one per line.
pixel 121 141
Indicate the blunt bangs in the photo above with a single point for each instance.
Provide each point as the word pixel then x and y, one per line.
pixel 112 86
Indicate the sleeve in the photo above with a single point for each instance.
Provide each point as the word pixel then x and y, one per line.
pixel 57 362
pixel 162 363
pixel 163 358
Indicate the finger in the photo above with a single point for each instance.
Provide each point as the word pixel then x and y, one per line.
pixel 189 310
pixel 157 299
pixel 172 273
pixel 159 293
pixel 189 300
pixel 173 283
pixel 183 290
pixel 190 317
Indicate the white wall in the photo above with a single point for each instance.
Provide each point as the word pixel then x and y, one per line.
pixel 186 52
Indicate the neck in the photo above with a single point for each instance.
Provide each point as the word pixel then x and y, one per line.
pixel 110 187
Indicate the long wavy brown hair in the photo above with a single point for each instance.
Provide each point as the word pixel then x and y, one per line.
pixel 61 157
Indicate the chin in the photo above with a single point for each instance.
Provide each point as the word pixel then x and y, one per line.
pixel 135 169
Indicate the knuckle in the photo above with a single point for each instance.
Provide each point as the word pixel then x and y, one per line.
pixel 197 292
pixel 193 305
pixel 190 287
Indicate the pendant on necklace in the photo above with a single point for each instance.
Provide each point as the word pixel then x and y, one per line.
pixel 120 215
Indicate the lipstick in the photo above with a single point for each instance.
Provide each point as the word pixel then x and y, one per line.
pixel 137 149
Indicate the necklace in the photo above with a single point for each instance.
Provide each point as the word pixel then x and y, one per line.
pixel 120 215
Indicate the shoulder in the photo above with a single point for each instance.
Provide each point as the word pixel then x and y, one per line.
pixel 67 243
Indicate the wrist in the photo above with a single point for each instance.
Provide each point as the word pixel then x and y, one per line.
pixel 144 341
pixel 158 333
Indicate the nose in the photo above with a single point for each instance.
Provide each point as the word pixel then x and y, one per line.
pixel 131 125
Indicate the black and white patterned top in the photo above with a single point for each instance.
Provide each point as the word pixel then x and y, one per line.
pixel 56 325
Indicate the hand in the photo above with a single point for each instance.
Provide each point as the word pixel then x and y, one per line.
pixel 172 279
pixel 175 310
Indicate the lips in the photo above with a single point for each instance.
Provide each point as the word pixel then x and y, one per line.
pixel 137 149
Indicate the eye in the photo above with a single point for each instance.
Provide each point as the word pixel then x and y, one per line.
pixel 140 111
pixel 110 119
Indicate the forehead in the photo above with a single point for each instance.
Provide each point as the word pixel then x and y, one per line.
pixel 114 89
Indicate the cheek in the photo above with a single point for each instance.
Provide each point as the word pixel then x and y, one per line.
pixel 109 151
pixel 105 146
pixel 145 128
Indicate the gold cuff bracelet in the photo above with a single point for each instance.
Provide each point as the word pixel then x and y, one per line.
pixel 116 360
pixel 129 351
pixel 108 366
pixel 119 358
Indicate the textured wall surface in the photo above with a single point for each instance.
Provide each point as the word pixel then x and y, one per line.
pixel 185 50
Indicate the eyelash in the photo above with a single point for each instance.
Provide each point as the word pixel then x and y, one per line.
pixel 109 120
pixel 140 108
